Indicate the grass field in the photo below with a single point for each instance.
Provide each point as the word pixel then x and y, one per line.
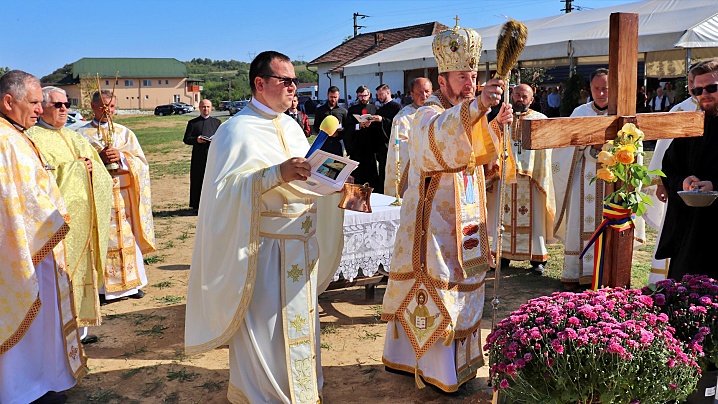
pixel 163 135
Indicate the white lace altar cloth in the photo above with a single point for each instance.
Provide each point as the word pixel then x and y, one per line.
pixel 368 239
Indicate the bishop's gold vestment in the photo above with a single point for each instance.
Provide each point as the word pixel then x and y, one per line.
pixel 442 250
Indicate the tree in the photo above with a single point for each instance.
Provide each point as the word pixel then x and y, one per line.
pixel 4 70
pixel 534 76
pixel 571 93
pixel 58 74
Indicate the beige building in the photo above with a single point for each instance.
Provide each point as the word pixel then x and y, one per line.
pixel 142 83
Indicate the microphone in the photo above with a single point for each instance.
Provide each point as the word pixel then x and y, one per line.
pixel 328 127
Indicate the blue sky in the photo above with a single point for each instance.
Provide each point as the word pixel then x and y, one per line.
pixel 39 36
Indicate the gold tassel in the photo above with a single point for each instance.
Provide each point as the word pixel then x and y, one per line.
pixel 450 338
pixel 419 383
pixel 396 330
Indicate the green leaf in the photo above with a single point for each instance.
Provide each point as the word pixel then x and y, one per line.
pixel 657 172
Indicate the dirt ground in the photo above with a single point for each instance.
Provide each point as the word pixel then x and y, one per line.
pixel 139 357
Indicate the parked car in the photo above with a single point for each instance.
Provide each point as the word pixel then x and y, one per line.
pixel 180 109
pixel 190 108
pixel 167 109
pixel 74 123
pixel 237 106
pixel 224 105
pixel 76 114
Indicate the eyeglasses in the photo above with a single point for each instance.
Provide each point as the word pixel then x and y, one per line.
pixel 362 95
pixel 710 89
pixel 287 81
pixel 59 104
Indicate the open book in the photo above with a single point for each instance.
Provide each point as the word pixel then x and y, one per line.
pixel 329 172
pixel 363 118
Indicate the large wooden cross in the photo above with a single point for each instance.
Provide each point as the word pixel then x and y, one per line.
pixel 583 131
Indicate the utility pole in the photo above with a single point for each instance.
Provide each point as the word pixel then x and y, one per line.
pixel 569 7
pixel 356 27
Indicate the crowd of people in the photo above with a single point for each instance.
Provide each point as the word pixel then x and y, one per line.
pixel 265 247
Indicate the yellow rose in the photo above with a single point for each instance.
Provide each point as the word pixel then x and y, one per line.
pixel 630 130
pixel 606 158
pixel 626 154
pixel 605 174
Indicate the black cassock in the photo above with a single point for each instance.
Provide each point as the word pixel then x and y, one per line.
pixel 382 132
pixel 198 127
pixel 690 235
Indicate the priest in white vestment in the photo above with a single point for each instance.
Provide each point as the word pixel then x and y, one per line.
pixel 656 213
pixel 421 89
pixel 529 207
pixel 40 349
pixel 435 296
pixel 132 231
pixel 579 204
pixel 255 271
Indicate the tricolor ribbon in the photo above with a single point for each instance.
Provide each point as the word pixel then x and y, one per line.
pixel 614 216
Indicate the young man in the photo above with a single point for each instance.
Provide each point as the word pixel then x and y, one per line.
pixel 299 116
pixel 255 278
pixel 335 144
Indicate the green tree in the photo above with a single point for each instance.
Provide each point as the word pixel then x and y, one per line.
pixel 571 93
pixel 58 74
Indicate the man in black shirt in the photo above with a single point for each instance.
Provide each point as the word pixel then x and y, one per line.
pixel 198 130
pixel 334 144
pixel 360 140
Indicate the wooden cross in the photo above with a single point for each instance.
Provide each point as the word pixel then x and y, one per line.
pixel 582 131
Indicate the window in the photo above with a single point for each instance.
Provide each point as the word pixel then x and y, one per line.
pixel 129 83
pixel 146 83
pixel 176 98
pixel 147 97
pixel 167 81
pixel 74 101
pixel 159 82
pixel 107 82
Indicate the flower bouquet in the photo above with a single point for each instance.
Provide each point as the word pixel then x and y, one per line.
pixel 606 346
pixel 692 309
pixel 622 159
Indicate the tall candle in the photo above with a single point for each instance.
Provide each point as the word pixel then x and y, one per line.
pixel 396 149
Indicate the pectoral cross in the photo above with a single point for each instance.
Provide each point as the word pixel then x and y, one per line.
pixel 583 131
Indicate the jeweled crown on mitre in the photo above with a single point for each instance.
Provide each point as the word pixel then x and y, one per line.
pixel 457 49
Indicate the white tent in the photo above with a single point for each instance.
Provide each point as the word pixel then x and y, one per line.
pixel 665 26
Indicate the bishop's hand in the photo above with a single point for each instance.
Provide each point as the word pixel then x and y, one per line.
pixel 296 168
pixel 505 115
pixel 491 94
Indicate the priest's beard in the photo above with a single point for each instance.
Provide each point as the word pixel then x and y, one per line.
pixel 519 107
pixel 455 97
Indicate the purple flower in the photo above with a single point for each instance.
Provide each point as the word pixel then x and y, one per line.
pixel 660 299
pixel 504 384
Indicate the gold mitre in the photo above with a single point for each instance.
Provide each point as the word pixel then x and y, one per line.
pixel 457 49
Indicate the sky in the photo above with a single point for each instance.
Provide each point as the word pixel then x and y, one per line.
pixel 39 36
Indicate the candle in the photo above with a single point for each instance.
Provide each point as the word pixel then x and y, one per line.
pixel 396 149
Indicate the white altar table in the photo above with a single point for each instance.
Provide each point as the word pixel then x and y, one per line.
pixel 368 239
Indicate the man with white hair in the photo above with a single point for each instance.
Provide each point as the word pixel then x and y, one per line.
pixel 435 296
pixel 421 89
pixel 40 349
pixel 86 187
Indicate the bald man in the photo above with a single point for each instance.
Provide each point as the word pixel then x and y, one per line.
pixel 528 221
pixel 421 89
pixel 198 131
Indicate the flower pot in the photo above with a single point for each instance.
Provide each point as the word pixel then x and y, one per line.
pixel 705 392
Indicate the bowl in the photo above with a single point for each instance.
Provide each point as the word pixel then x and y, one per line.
pixel 698 199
